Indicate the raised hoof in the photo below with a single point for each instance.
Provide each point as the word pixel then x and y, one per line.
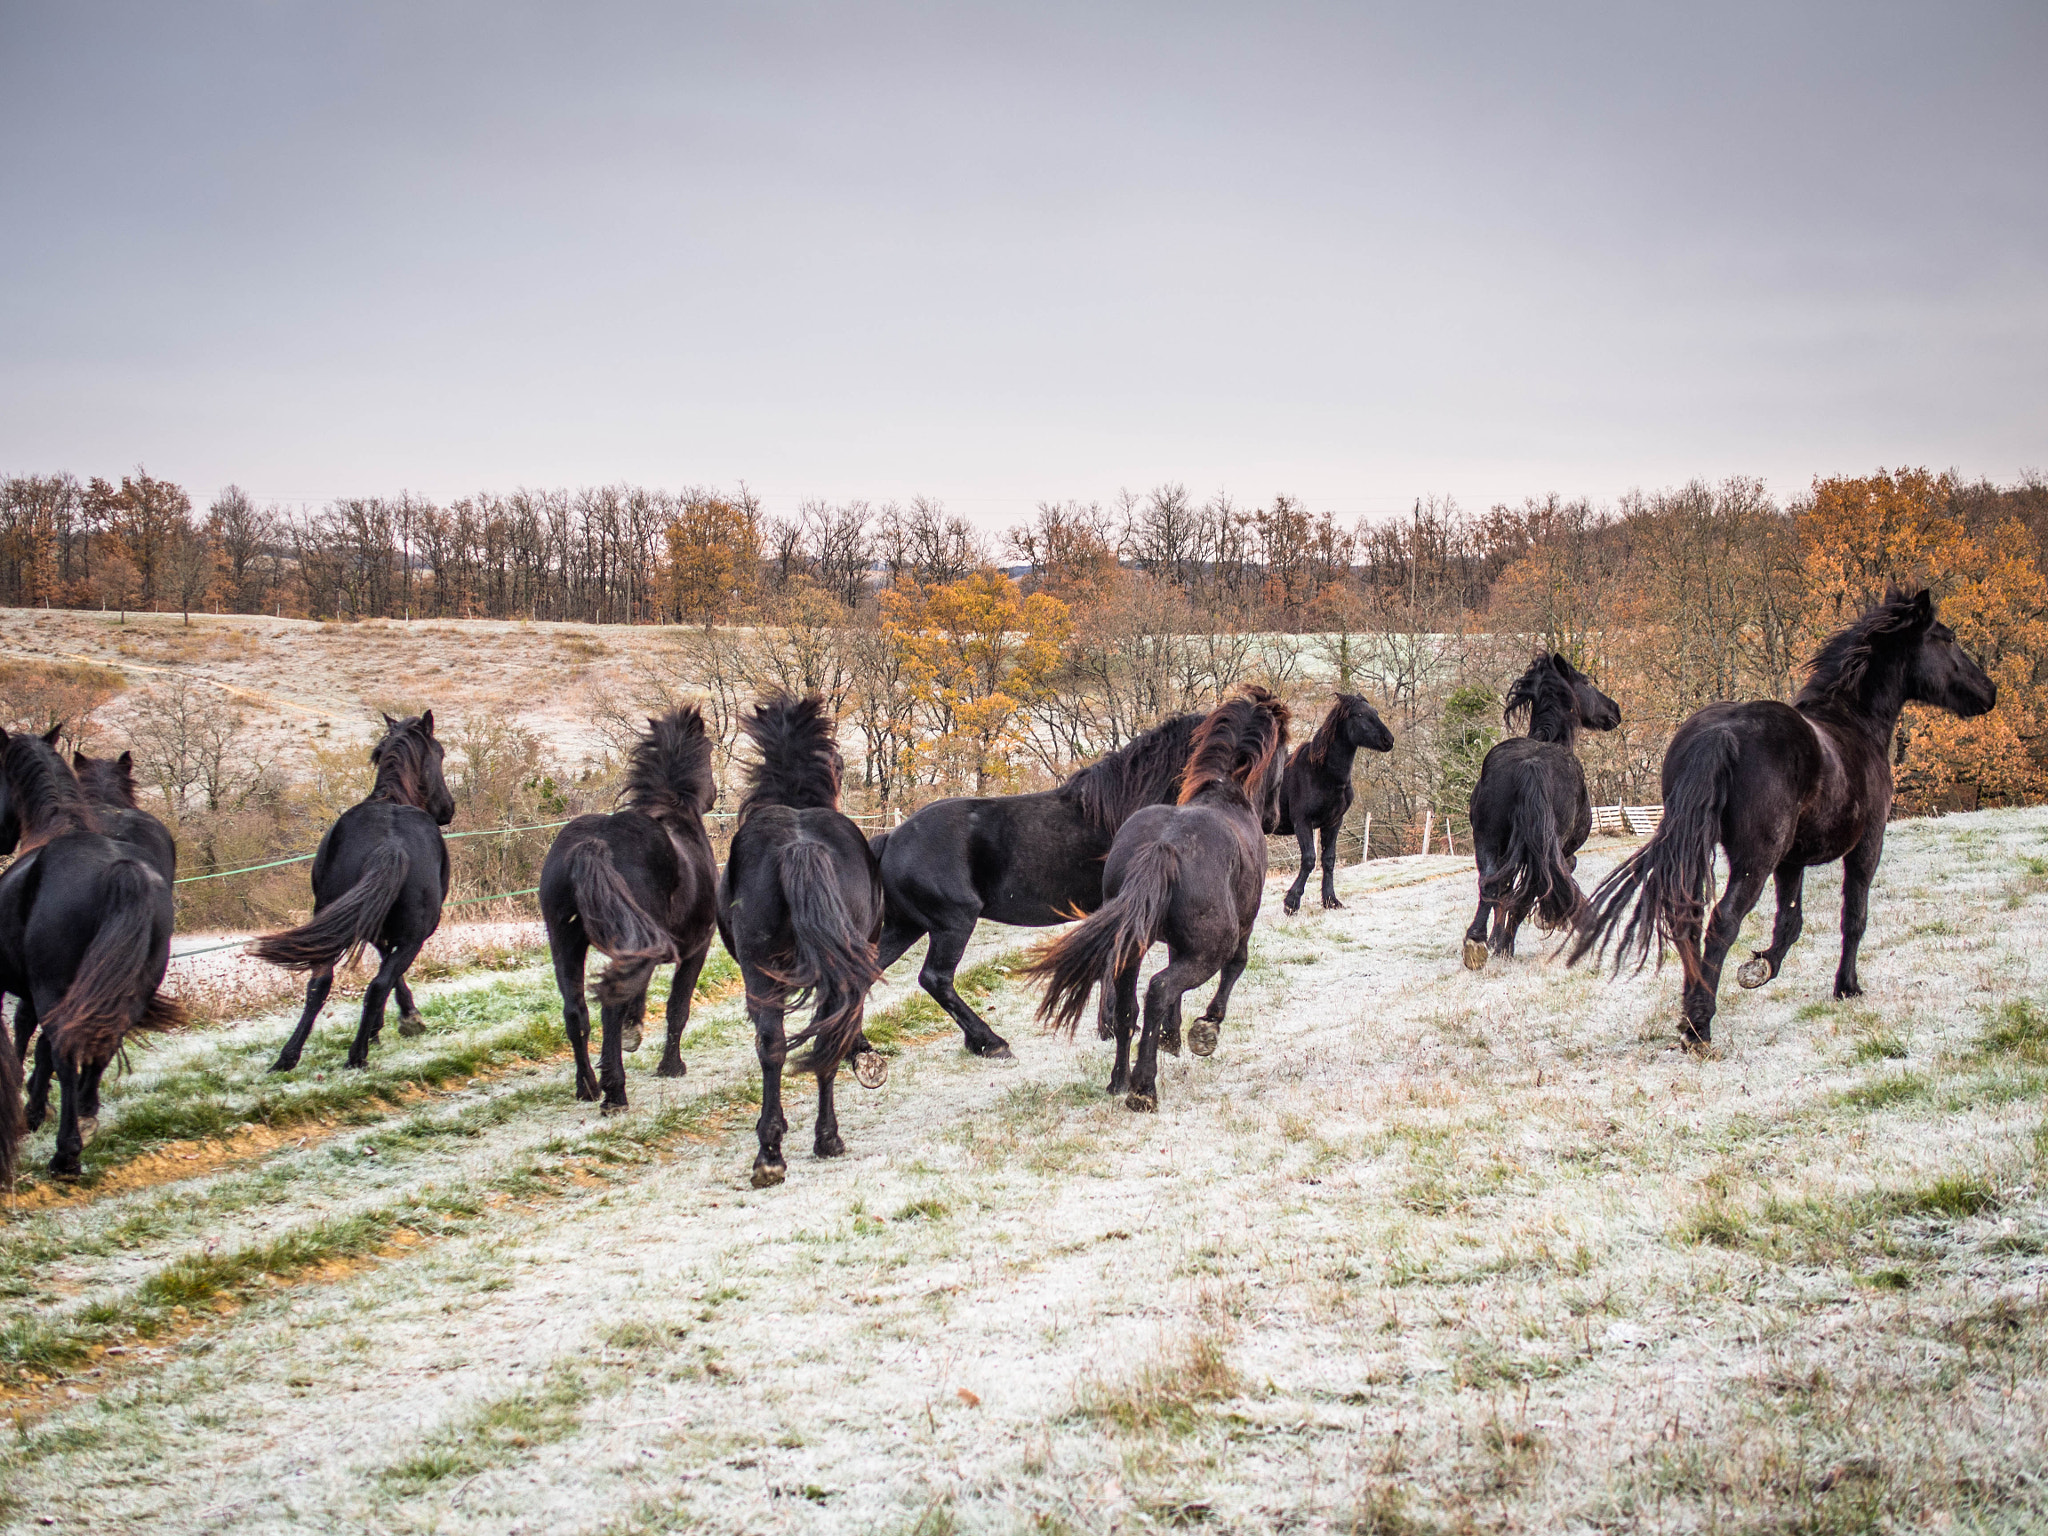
pixel 1142 1103
pixel 411 1025
pixel 871 1069
pixel 671 1066
pixel 1544 924
pixel 1754 973
pixel 629 1038
pixel 1475 955
pixel 1202 1037
pixel 1000 1051
pixel 768 1175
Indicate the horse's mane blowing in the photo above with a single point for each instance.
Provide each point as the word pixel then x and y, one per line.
pixel 1840 669
pixel 799 755
pixel 668 771
pixel 1317 752
pixel 1547 697
pixel 1143 771
pixel 1235 744
pixel 47 799
pixel 401 759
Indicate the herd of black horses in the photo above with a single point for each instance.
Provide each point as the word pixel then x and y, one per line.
pixel 1161 841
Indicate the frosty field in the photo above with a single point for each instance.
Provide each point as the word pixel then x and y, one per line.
pixel 1415 1250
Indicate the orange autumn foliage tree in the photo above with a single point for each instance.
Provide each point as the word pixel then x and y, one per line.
pixel 976 653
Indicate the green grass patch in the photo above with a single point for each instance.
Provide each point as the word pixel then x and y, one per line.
pixel 1884 1092
pixel 2018 1028
pixel 496 1434
pixel 1166 1394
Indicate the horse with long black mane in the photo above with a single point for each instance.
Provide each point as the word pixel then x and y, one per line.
pixel 639 886
pixel 1782 787
pixel 1530 811
pixel 1316 792
pixel 1025 860
pixel 800 908
pixel 85 937
pixel 1191 874
pixel 380 876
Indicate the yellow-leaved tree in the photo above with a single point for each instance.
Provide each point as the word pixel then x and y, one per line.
pixel 976 652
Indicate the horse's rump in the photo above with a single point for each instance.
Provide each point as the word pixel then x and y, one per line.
pixel 1114 938
pixel 347 923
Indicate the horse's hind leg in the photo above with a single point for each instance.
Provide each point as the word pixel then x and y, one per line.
pixel 1475 932
pixel 1306 837
pixel 1162 1000
pixel 318 985
pixel 682 991
pixel 1762 966
pixel 410 1024
pixel 1204 1032
pixel 374 997
pixel 825 1140
pixel 70 1141
pixel 1702 984
pixel 24 1025
pixel 771 1048
pixel 614 1019
pixel 38 1107
pixel 571 949
pixel 1330 900
pixel 1120 999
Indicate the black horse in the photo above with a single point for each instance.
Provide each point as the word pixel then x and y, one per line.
pixel 1191 874
pixel 1316 792
pixel 1530 812
pixel 800 908
pixel 638 886
pixel 85 937
pixel 1026 860
pixel 1782 788
pixel 379 878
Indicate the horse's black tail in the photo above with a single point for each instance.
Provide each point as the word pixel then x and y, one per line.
pixel 347 923
pixel 1115 936
pixel 110 995
pixel 1666 878
pixel 615 923
pixel 1533 870
pixel 834 961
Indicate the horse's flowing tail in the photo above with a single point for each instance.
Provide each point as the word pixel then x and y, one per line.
pixel 111 995
pixel 1666 878
pixel 1534 871
pixel 834 961
pixel 347 923
pixel 615 923
pixel 1115 937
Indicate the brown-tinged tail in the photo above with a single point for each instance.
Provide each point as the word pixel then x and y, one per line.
pixel 1114 937
pixel 110 996
pixel 346 924
pixel 615 923
pixel 1534 869
pixel 834 960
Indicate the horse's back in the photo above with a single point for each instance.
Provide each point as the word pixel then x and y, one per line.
pixel 1025 860
pixel 71 899
pixel 360 833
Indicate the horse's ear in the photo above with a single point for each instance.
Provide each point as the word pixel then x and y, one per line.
pixel 78 762
pixel 50 736
pixel 427 722
pixel 125 762
pixel 389 723
pixel 1923 607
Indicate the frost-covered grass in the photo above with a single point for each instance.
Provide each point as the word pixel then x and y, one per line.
pixel 1416 1250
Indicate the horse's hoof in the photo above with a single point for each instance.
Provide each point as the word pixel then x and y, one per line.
pixel 70 1173
pixel 1142 1103
pixel 411 1025
pixel 1202 1036
pixel 871 1069
pixel 613 1108
pixel 831 1148
pixel 1475 955
pixel 1332 904
pixel 1754 973
pixel 1695 1037
pixel 88 1127
pixel 671 1066
pixel 1169 1041
pixel 629 1038
pixel 768 1175
pixel 1290 907
pixel 586 1095
pixel 1104 1029
pixel 1000 1051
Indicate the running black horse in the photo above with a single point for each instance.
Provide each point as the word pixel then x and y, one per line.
pixel 639 887
pixel 800 908
pixel 85 937
pixel 1316 793
pixel 1191 874
pixel 1782 787
pixel 1530 811
pixel 380 876
pixel 1026 860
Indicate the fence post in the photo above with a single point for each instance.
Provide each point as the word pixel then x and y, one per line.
pixel 1365 843
pixel 1428 826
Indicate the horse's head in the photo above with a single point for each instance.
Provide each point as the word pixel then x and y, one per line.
pixel 408 764
pixel 1937 669
pixel 1363 726
pixel 108 781
pixel 1597 712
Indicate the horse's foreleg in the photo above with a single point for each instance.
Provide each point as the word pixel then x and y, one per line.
pixel 374 997
pixel 1305 836
pixel 1120 998
pixel 1762 966
pixel 682 991
pixel 571 950
pixel 1703 979
pixel 770 1048
pixel 70 1139
pixel 941 959
pixel 1203 1033
pixel 318 985
pixel 1162 1003
pixel 1858 870
pixel 1330 865
pixel 38 1107
pixel 410 1024
pixel 613 1020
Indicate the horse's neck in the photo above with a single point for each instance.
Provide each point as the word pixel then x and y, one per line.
pixel 1339 756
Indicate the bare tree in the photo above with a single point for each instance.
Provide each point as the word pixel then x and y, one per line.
pixel 189 745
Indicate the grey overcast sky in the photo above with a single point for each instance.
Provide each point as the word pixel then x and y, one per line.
pixel 1001 254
